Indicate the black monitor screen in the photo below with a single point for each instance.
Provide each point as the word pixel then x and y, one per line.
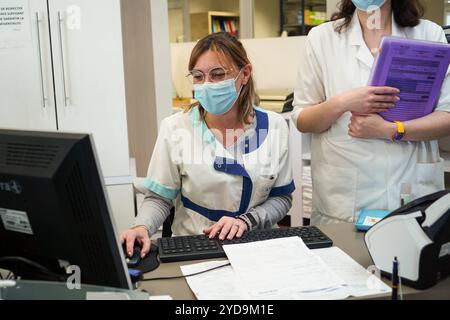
pixel 54 210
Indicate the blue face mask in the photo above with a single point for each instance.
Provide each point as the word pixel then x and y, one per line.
pixel 364 5
pixel 217 98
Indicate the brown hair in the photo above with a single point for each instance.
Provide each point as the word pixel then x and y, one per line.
pixel 407 13
pixel 227 45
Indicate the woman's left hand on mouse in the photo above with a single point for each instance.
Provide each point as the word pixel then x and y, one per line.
pixel 137 234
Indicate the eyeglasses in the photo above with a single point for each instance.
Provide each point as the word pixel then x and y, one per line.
pixel 215 74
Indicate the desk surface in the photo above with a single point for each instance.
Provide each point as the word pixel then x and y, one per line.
pixel 344 236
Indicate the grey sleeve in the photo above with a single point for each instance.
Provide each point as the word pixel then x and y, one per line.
pixel 267 214
pixel 153 211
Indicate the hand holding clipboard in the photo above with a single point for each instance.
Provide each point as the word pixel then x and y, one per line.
pixel 417 68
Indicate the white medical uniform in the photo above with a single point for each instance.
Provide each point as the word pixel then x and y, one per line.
pixel 206 182
pixel 351 174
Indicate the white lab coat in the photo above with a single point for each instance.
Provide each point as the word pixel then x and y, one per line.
pixel 206 182
pixel 351 174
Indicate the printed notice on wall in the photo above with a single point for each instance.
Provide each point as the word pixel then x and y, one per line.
pixel 15 23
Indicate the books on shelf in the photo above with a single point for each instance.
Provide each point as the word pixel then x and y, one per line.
pixel 315 17
pixel 204 23
pixel 224 24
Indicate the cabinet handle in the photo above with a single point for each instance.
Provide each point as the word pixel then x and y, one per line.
pixel 41 66
pixel 63 64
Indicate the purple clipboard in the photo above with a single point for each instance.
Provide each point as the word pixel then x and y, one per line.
pixel 417 68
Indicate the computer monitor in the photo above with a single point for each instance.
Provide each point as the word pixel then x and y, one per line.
pixel 54 210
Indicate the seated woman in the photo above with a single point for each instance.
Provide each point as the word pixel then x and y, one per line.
pixel 224 164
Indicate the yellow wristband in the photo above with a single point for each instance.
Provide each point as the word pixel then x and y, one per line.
pixel 400 131
pixel 400 127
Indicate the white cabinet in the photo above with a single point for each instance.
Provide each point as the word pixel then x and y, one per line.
pixel 69 77
pixel 89 73
pixel 26 81
pixel 121 199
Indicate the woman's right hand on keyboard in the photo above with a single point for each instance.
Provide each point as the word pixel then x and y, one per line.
pixel 137 234
pixel 226 228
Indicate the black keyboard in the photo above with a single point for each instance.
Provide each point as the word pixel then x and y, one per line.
pixel 201 247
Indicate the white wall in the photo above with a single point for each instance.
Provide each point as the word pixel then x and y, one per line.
pixel 267 18
pixel 447 14
pixel 332 7
pixel 435 11
pixel 196 6
pixel 225 5
pixel 177 25
pixel 273 69
pixel 176 30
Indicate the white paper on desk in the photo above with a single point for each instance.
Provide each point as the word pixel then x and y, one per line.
pixel 219 284
pixel 160 298
pixel 283 269
pixel 358 281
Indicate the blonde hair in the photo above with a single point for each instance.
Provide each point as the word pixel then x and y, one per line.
pixel 231 48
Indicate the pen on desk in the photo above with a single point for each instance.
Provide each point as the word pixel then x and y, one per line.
pixel 395 279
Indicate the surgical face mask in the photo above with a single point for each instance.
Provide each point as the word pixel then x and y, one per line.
pixel 365 5
pixel 217 98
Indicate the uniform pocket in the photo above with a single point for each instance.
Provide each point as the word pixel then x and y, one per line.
pixel 263 187
pixel 429 178
pixel 339 130
pixel 334 191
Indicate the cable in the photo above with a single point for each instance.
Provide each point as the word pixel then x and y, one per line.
pixel 186 276
pixel 32 264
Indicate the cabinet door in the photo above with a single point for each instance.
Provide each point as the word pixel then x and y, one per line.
pixel 26 80
pixel 121 200
pixel 89 76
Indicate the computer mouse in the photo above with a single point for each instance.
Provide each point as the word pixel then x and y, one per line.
pixel 135 258
pixel 149 263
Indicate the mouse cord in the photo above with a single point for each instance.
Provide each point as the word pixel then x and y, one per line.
pixel 188 275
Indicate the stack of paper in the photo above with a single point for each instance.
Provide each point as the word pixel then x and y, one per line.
pixel 282 269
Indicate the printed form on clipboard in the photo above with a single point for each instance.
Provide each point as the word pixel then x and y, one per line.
pixel 417 68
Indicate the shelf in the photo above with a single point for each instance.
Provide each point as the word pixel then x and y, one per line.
pixel 223 14
pixel 205 23
pixel 306 156
pixel 298 17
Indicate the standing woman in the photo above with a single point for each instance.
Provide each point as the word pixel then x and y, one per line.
pixel 224 164
pixel 359 160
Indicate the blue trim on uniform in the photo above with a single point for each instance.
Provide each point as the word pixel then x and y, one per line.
pixel 282 191
pixel 262 130
pixel 230 166
pixel 161 190
pixel 247 189
pixel 227 166
pixel 251 144
pixel 213 215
